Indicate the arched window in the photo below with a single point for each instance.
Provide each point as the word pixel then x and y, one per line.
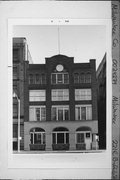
pixel 76 78
pixel 88 78
pixel 60 138
pixel 37 136
pixel 82 78
pixel 31 79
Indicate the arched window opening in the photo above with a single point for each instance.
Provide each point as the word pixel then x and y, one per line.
pixel 76 78
pixel 60 138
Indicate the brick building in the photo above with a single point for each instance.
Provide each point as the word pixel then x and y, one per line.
pixel 21 59
pixel 101 81
pixel 61 105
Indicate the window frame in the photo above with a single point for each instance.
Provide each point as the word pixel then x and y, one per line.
pixel 57 97
pixel 65 107
pixel 34 97
pixel 80 115
pixel 34 113
pixel 56 77
pixel 87 94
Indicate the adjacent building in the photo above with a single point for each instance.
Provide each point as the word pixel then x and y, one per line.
pixel 21 59
pixel 101 80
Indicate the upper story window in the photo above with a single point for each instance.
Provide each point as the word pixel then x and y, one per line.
pixel 37 113
pixel 15 54
pixel 88 78
pixel 60 113
pixel 83 112
pixel 60 95
pixel 31 79
pixel 37 79
pixel 82 78
pixel 37 95
pixel 60 78
pixel 82 94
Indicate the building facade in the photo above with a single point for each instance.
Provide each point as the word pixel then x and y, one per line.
pixel 101 81
pixel 21 59
pixel 60 109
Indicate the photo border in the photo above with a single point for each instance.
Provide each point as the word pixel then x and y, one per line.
pixel 61 160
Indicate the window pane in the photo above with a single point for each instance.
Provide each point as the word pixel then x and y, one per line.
pixel 43 79
pixel 77 113
pixel 60 95
pixel 31 79
pixel 31 114
pixel 60 138
pixel 37 138
pixel 82 78
pixel 54 138
pixel 37 78
pixel 37 95
pixel 83 113
pixel 60 114
pixel 66 114
pixel 89 113
pixel 67 138
pixel 31 139
pixel 15 110
pixel 43 113
pixel 80 137
pixel 54 116
pixel 37 114
pixel 43 138
pixel 76 78
pixel 66 78
pixel 88 78
pixel 53 78
pixel 59 78
pixel 82 94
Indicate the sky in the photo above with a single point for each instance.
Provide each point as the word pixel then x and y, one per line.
pixel 83 42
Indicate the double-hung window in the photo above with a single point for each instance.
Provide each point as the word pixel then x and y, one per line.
pixel 37 113
pixel 83 112
pixel 60 113
pixel 82 94
pixel 37 95
pixel 60 95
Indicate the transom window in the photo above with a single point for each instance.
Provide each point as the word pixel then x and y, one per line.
pixel 60 113
pixel 59 78
pixel 83 112
pixel 37 113
pixel 82 94
pixel 37 95
pixel 37 136
pixel 60 95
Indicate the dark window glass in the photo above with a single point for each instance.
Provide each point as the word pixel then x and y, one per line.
pixel 59 78
pixel 37 78
pixel 66 78
pixel 53 78
pixel 80 138
pixel 82 78
pixel 66 112
pixel 76 78
pixel 60 114
pixel 54 138
pixel 67 138
pixel 88 78
pixel 60 138
pixel 31 79
pixel 43 79
pixel 83 113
